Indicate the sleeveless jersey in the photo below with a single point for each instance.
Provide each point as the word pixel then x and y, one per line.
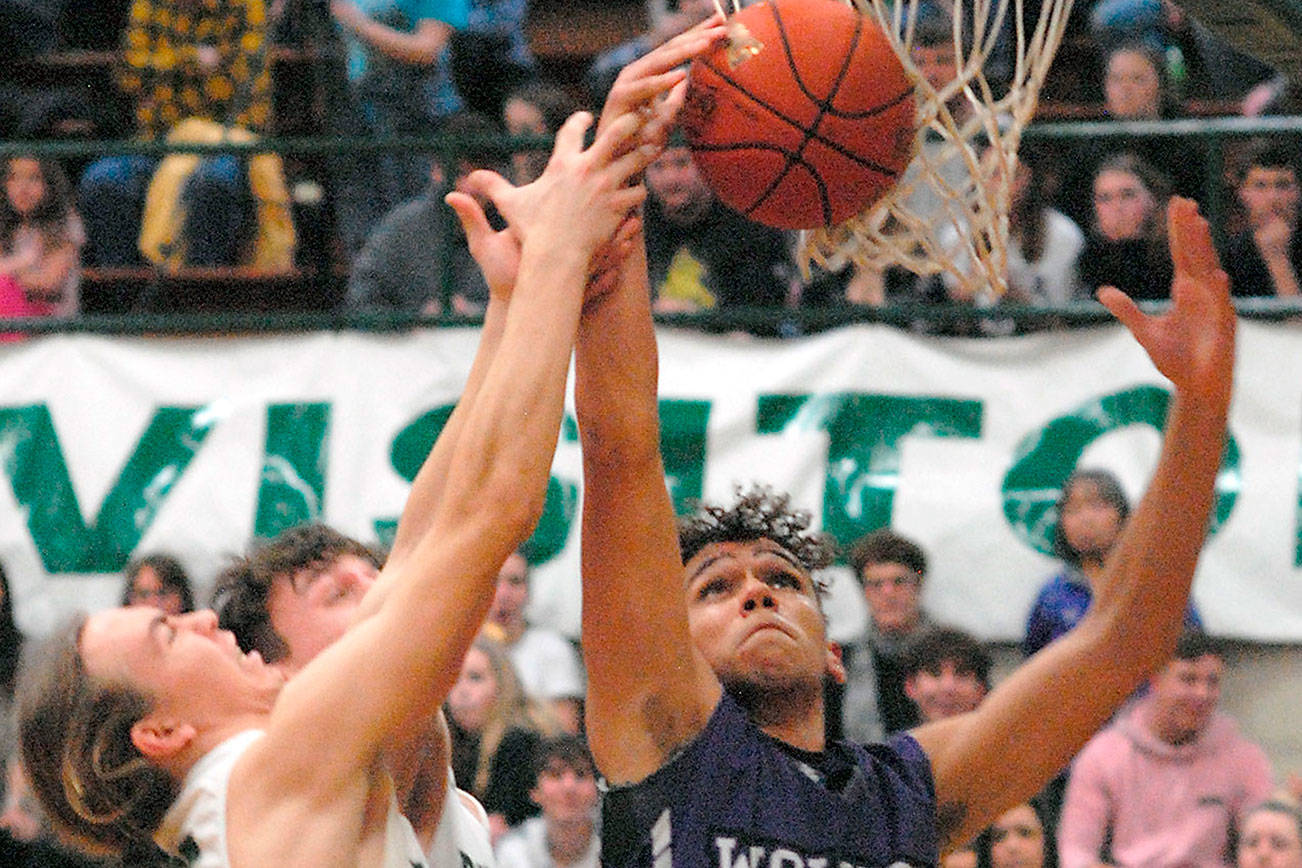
pixel 734 799
pixel 461 839
pixel 195 826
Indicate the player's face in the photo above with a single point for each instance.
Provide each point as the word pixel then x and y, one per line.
pixel 1131 87
pixel 1269 839
pixel 191 669
pixel 565 793
pixel 1185 694
pixel 947 691
pixel 1269 194
pixel 677 185
pixel 1122 204
pixel 754 615
pixel 314 607
pixel 148 590
pixel 511 594
pixel 471 699
pixel 24 184
pixel 893 592
pixel 1090 524
pixel 1017 839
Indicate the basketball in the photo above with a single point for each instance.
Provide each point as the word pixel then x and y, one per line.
pixel 803 117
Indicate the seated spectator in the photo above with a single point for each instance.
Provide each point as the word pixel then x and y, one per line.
pixel 1044 246
pixel 1022 837
pixel 565 788
pixel 184 61
pixel 159 581
pixel 1270 836
pixel 1136 87
pixel 394 48
pixel 537 108
pixel 891 569
pixel 1200 63
pixel 546 663
pixel 1092 509
pixel 1167 782
pixel 1126 246
pixel 946 673
pixel 495 734
pixel 666 23
pixel 700 253
pixel 1266 258
pixel 40 241
pixel 420 243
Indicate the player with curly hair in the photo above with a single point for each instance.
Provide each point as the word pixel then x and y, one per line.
pixel 706 664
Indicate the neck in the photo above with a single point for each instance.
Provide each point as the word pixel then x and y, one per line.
pixel 790 713
pixel 568 840
pixel 1164 731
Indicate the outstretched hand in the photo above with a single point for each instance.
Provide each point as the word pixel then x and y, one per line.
pixel 1192 343
pixel 655 84
pixel 497 252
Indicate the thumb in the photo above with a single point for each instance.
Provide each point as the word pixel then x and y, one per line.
pixel 1123 308
pixel 471 215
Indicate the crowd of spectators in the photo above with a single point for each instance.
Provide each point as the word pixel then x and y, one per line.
pixel 1169 781
pixel 1084 213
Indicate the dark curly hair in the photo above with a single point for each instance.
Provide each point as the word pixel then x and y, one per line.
pixel 759 513
pixel 240 597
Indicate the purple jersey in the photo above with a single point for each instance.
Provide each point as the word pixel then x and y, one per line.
pixel 734 798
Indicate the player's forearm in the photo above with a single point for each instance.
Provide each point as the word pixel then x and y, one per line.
pixel 1142 595
pixel 504 451
pixel 617 372
pixel 418 48
pixel 428 486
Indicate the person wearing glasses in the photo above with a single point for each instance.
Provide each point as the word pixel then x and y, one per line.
pixel 872 703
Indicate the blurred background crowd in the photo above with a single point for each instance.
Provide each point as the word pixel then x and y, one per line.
pixel 357 225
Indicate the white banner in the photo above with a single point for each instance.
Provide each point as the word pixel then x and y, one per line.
pixel 117 447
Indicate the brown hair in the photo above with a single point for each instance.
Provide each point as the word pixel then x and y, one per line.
pixel 74 735
pixel 240 596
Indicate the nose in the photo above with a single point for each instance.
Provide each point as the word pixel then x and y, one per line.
pixel 757 596
pixel 204 620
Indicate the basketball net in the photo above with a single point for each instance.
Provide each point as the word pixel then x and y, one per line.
pixel 948 212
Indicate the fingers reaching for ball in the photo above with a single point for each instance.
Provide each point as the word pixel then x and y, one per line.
pixel 656 73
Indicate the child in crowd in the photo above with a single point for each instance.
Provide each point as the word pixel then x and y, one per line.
pixel 40 241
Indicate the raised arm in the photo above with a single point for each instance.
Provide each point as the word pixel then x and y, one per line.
pixel 1032 724
pixel 393 667
pixel 648 690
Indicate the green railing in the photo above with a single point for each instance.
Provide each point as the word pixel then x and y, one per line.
pixel 1215 132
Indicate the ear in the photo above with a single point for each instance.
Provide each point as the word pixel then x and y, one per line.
pixel 161 739
pixel 835 666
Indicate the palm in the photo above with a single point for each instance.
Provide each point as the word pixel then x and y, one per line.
pixel 1192 343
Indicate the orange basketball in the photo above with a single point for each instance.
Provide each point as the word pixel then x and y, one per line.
pixel 803 117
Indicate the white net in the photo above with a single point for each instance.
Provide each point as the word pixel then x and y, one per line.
pixel 948 212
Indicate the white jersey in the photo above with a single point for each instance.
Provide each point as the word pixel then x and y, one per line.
pixel 461 839
pixel 195 826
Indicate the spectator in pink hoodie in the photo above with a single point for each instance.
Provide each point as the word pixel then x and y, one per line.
pixel 1167 781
